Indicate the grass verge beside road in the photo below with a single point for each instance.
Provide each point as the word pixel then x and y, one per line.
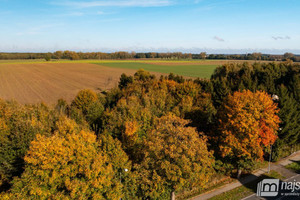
pixel 295 166
pixel 247 189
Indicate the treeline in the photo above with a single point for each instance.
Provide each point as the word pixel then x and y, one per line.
pixel 256 56
pixel 72 55
pixel 150 137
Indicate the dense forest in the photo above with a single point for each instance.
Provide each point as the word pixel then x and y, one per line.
pixel 72 55
pixel 150 136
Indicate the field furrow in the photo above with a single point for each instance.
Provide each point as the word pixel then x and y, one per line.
pixel 47 82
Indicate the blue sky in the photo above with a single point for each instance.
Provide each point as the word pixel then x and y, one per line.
pixel 214 26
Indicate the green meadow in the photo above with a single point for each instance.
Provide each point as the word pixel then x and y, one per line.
pixel 202 71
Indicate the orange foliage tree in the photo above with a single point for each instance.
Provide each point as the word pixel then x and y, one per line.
pixel 247 125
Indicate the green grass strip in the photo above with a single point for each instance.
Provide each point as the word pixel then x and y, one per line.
pixel 247 189
pixel 201 71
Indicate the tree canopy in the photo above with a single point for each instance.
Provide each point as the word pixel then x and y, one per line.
pixel 173 157
pixel 247 125
pixel 67 165
pixel 149 136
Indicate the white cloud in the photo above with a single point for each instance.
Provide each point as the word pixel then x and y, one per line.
pixel 117 3
pixel 281 37
pixel 218 39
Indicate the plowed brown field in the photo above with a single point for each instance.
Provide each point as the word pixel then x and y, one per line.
pixel 32 83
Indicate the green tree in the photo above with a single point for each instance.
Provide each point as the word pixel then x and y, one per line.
pixel 125 80
pixel 48 56
pixel 289 132
pixel 87 106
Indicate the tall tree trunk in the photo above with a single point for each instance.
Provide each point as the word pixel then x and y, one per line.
pixel 239 172
pixel 173 195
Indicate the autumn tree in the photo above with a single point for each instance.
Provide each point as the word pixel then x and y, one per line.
pixel 84 99
pixel 146 98
pixel 203 55
pixel 256 55
pixel 174 156
pixel 58 54
pixel 142 75
pixel 62 106
pixel 68 165
pixel 247 126
pixel 72 55
pixel 121 164
pixel 19 125
pixel 282 79
pixel 288 55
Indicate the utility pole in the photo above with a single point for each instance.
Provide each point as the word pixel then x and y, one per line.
pixel 270 159
pixel 275 98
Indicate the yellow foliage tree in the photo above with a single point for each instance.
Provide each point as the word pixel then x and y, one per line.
pixel 175 156
pixel 19 125
pixel 121 164
pixel 84 99
pixel 67 165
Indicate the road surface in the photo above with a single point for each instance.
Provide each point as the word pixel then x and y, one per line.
pixel 279 166
pixel 279 196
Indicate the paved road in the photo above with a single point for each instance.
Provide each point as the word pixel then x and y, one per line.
pixel 280 196
pixel 276 167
